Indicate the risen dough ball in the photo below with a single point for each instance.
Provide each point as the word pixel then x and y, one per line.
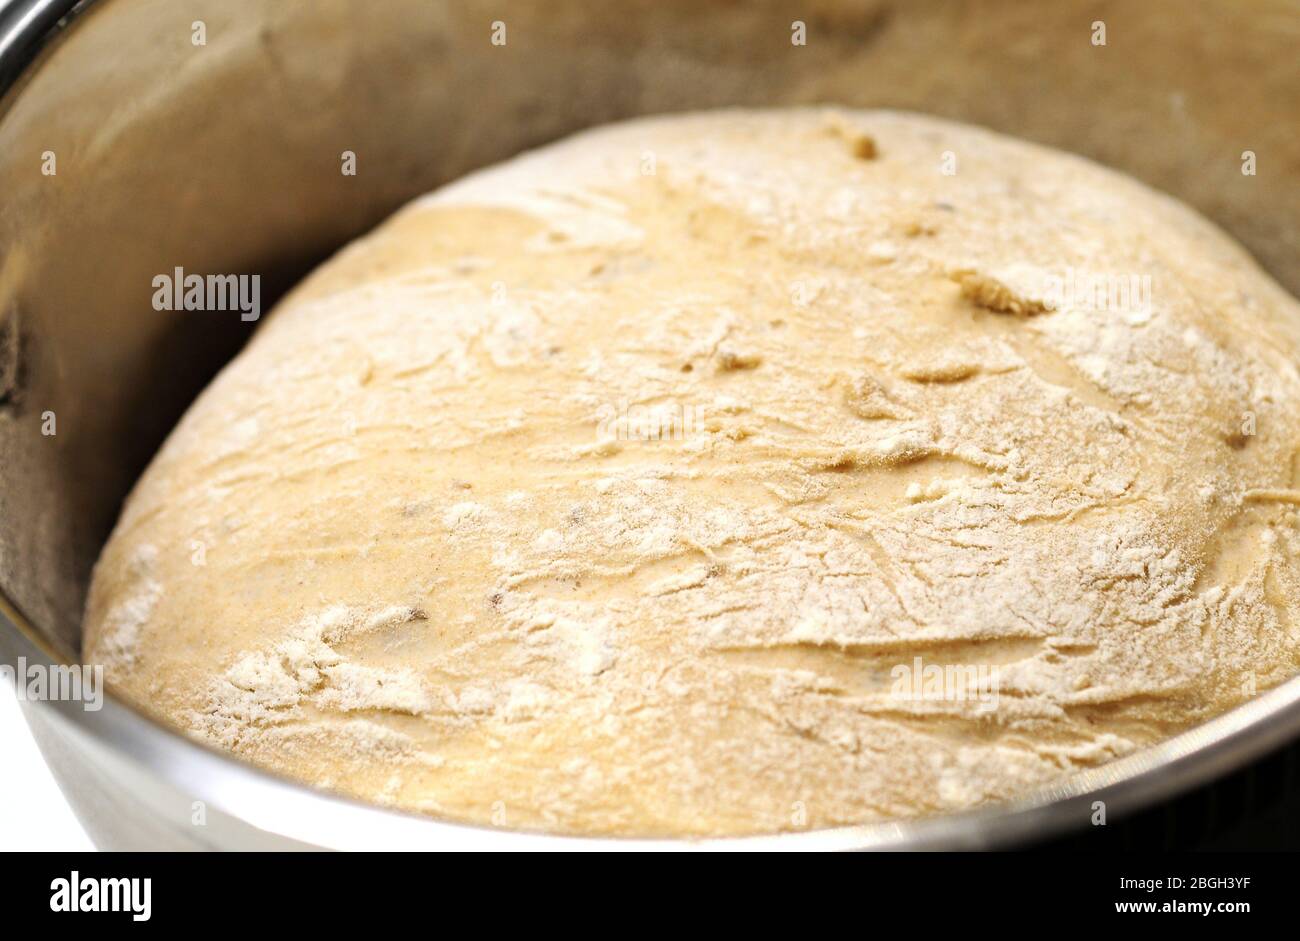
pixel 730 473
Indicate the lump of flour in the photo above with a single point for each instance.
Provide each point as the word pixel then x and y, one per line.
pixel 792 484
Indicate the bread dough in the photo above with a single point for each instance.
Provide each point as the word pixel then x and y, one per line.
pixel 729 473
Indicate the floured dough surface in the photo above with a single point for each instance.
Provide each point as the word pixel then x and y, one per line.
pixel 639 485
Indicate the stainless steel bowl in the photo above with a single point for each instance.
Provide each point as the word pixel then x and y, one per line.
pixel 224 156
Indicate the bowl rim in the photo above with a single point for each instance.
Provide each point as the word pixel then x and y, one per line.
pixel 28 30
